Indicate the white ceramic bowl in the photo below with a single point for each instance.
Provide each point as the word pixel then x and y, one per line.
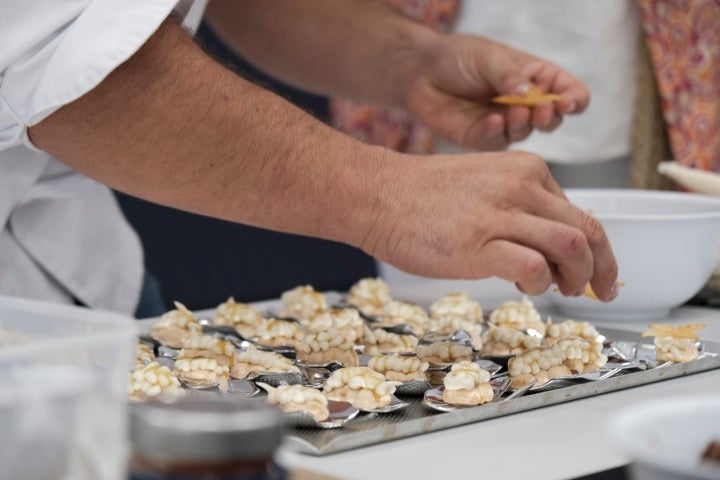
pixel 665 439
pixel 666 245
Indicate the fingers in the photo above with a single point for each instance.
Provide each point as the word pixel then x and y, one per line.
pixel 561 245
pixel 545 118
pixel 518 123
pixel 555 122
pixel 570 256
pixel 604 280
pixel 542 116
pixel 553 79
pixel 526 267
pixel 504 75
pixel 570 239
pixel 491 135
pixel 504 215
pixel 457 103
pixel 522 120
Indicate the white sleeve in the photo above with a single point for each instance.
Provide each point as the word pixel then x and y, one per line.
pixel 53 52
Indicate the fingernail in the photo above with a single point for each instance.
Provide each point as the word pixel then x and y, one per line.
pixel 579 293
pixel 522 88
pixel 571 107
pixel 614 291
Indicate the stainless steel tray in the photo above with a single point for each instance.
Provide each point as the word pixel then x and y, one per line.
pixel 417 419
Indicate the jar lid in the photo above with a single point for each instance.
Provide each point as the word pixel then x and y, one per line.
pixel 204 428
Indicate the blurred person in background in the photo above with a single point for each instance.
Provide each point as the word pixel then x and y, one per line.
pixel 142 109
pixel 623 134
pixel 595 41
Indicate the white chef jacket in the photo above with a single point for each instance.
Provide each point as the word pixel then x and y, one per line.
pixel 63 236
pixel 594 40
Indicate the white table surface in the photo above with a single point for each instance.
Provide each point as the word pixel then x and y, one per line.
pixel 561 441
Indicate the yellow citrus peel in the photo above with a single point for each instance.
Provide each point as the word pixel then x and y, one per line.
pixel 533 97
pixel 590 293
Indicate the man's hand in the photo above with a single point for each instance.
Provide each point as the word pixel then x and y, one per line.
pixel 172 126
pixel 489 214
pixel 367 51
pixel 452 90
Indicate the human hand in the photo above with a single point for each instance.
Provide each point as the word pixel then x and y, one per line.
pixel 475 216
pixel 454 84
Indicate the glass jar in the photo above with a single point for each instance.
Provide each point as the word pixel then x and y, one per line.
pixel 204 437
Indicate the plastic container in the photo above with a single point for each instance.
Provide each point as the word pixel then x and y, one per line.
pixel 204 438
pixel 63 400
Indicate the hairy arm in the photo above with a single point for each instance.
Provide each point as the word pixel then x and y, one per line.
pixel 174 127
pixel 352 48
pixel 365 50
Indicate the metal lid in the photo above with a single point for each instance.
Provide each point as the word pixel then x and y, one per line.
pixel 204 429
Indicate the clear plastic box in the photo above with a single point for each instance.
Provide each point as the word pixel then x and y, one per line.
pixel 63 400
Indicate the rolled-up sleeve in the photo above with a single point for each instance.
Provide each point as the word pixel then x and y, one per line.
pixel 53 52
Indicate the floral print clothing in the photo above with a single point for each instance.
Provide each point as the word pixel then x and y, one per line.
pixel 683 37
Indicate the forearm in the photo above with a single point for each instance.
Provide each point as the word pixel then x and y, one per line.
pixel 360 49
pixel 174 127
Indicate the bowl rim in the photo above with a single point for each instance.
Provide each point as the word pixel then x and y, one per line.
pixel 622 425
pixel 686 197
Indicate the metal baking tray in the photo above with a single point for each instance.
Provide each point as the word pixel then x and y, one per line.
pixel 416 419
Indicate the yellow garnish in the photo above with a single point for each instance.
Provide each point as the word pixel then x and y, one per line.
pixel 533 97
pixel 682 331
pixel 590 293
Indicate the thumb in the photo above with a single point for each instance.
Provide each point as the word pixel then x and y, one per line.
pixel 506 77
pixel 512 83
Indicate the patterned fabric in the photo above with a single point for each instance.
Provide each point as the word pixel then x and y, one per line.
pixel 650 143
pixel 684 41
pixel 392 128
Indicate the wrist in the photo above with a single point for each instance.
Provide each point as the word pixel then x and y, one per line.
pixel 432 72
pixel 365 198
pixel 413 53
